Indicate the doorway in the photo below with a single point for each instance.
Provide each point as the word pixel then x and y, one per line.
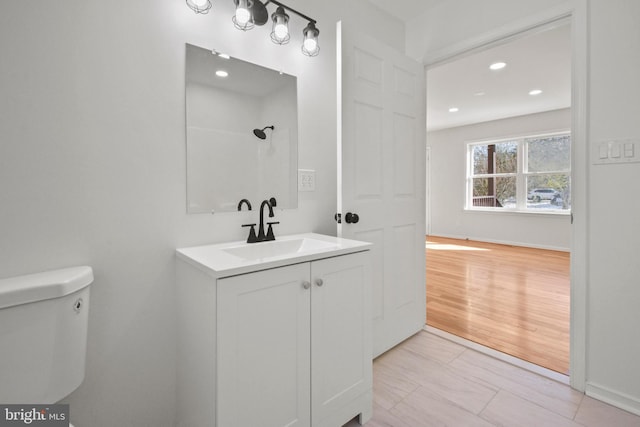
pixel 497 108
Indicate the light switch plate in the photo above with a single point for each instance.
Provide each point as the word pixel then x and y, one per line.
pixel 616 151
pixel 306 180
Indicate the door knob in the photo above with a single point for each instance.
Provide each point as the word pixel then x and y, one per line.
pixel 319 282
pixel 306 284
pixel 351 218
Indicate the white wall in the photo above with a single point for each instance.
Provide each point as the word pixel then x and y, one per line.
pixel 613 372
pixel 448 186
pixel 92 167
pixel 219 124
pixel 613 232
pixel 452 23
pixel 278 153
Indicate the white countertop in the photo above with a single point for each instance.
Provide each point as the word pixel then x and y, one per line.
pixel 233 258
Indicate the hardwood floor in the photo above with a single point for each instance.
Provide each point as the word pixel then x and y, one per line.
pixel 428 381
pixel 509 298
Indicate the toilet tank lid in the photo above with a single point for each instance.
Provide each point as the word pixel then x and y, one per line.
pixel 41 286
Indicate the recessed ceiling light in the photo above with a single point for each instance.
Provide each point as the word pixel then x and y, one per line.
pixel 497 66
pixel 479 94
pixel 224 56
pixel 535 92
pixel 454 109
pixel 221 73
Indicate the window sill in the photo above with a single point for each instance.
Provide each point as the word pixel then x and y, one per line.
pixel 551 213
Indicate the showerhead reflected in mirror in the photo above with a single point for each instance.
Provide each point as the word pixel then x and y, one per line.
pixel 260 132
pixel 227 158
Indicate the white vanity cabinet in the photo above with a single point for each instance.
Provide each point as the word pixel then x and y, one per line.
pixel 284 346
pixel 294 344
pixel 264 342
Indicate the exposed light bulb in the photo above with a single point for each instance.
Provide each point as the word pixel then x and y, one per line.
pixel 310 45
pixel 242 16
pixel 281 31
pixel 199 6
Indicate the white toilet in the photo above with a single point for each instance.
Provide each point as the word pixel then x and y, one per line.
pixel 43 335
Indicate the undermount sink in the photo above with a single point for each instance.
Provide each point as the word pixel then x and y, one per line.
pixel 278 248
pixel 232 258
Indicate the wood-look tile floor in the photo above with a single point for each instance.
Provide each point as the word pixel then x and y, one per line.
pixel 512 299
pixel 428 381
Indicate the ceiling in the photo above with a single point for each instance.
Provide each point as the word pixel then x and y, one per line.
pixel 405 10
pixel 243 77
pixel 541 60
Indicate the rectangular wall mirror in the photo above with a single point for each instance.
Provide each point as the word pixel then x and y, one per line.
pixel 242 133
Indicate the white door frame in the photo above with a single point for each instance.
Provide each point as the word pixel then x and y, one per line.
pixel 577 12
pixel 427 198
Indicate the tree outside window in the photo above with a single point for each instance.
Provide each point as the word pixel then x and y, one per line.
pixel 530 173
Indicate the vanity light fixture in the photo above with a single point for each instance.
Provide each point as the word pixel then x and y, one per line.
pixel 199 6
pixel 242 20
pixel 310 45
pixel 250 13
pixel 280 30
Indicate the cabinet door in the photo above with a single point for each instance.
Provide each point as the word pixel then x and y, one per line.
pixel 341 345
pixel 264 349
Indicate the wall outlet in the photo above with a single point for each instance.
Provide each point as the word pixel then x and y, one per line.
pixel 306 180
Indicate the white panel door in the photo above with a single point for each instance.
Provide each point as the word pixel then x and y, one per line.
pixel 382 178
pixel 341 371
pixel 264 349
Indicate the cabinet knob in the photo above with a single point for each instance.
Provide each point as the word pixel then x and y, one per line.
pixel 306 284
pixel 319 282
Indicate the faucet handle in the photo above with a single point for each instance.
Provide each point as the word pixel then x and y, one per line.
pixel 252 233
pixel 270 235
pixel 245 201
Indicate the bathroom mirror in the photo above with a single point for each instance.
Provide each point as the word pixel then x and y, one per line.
pixel 242 133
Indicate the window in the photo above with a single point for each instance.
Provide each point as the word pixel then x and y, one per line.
pixel 524 174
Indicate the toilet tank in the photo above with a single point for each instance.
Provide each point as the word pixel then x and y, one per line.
pixel 43 334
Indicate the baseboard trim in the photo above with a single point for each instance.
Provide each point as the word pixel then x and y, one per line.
pixel 614 398
pixel 536 369
pixel 502 242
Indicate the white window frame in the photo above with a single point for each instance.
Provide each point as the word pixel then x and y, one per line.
pixel 521 175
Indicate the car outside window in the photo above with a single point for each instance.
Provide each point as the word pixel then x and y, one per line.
pixel 530 174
